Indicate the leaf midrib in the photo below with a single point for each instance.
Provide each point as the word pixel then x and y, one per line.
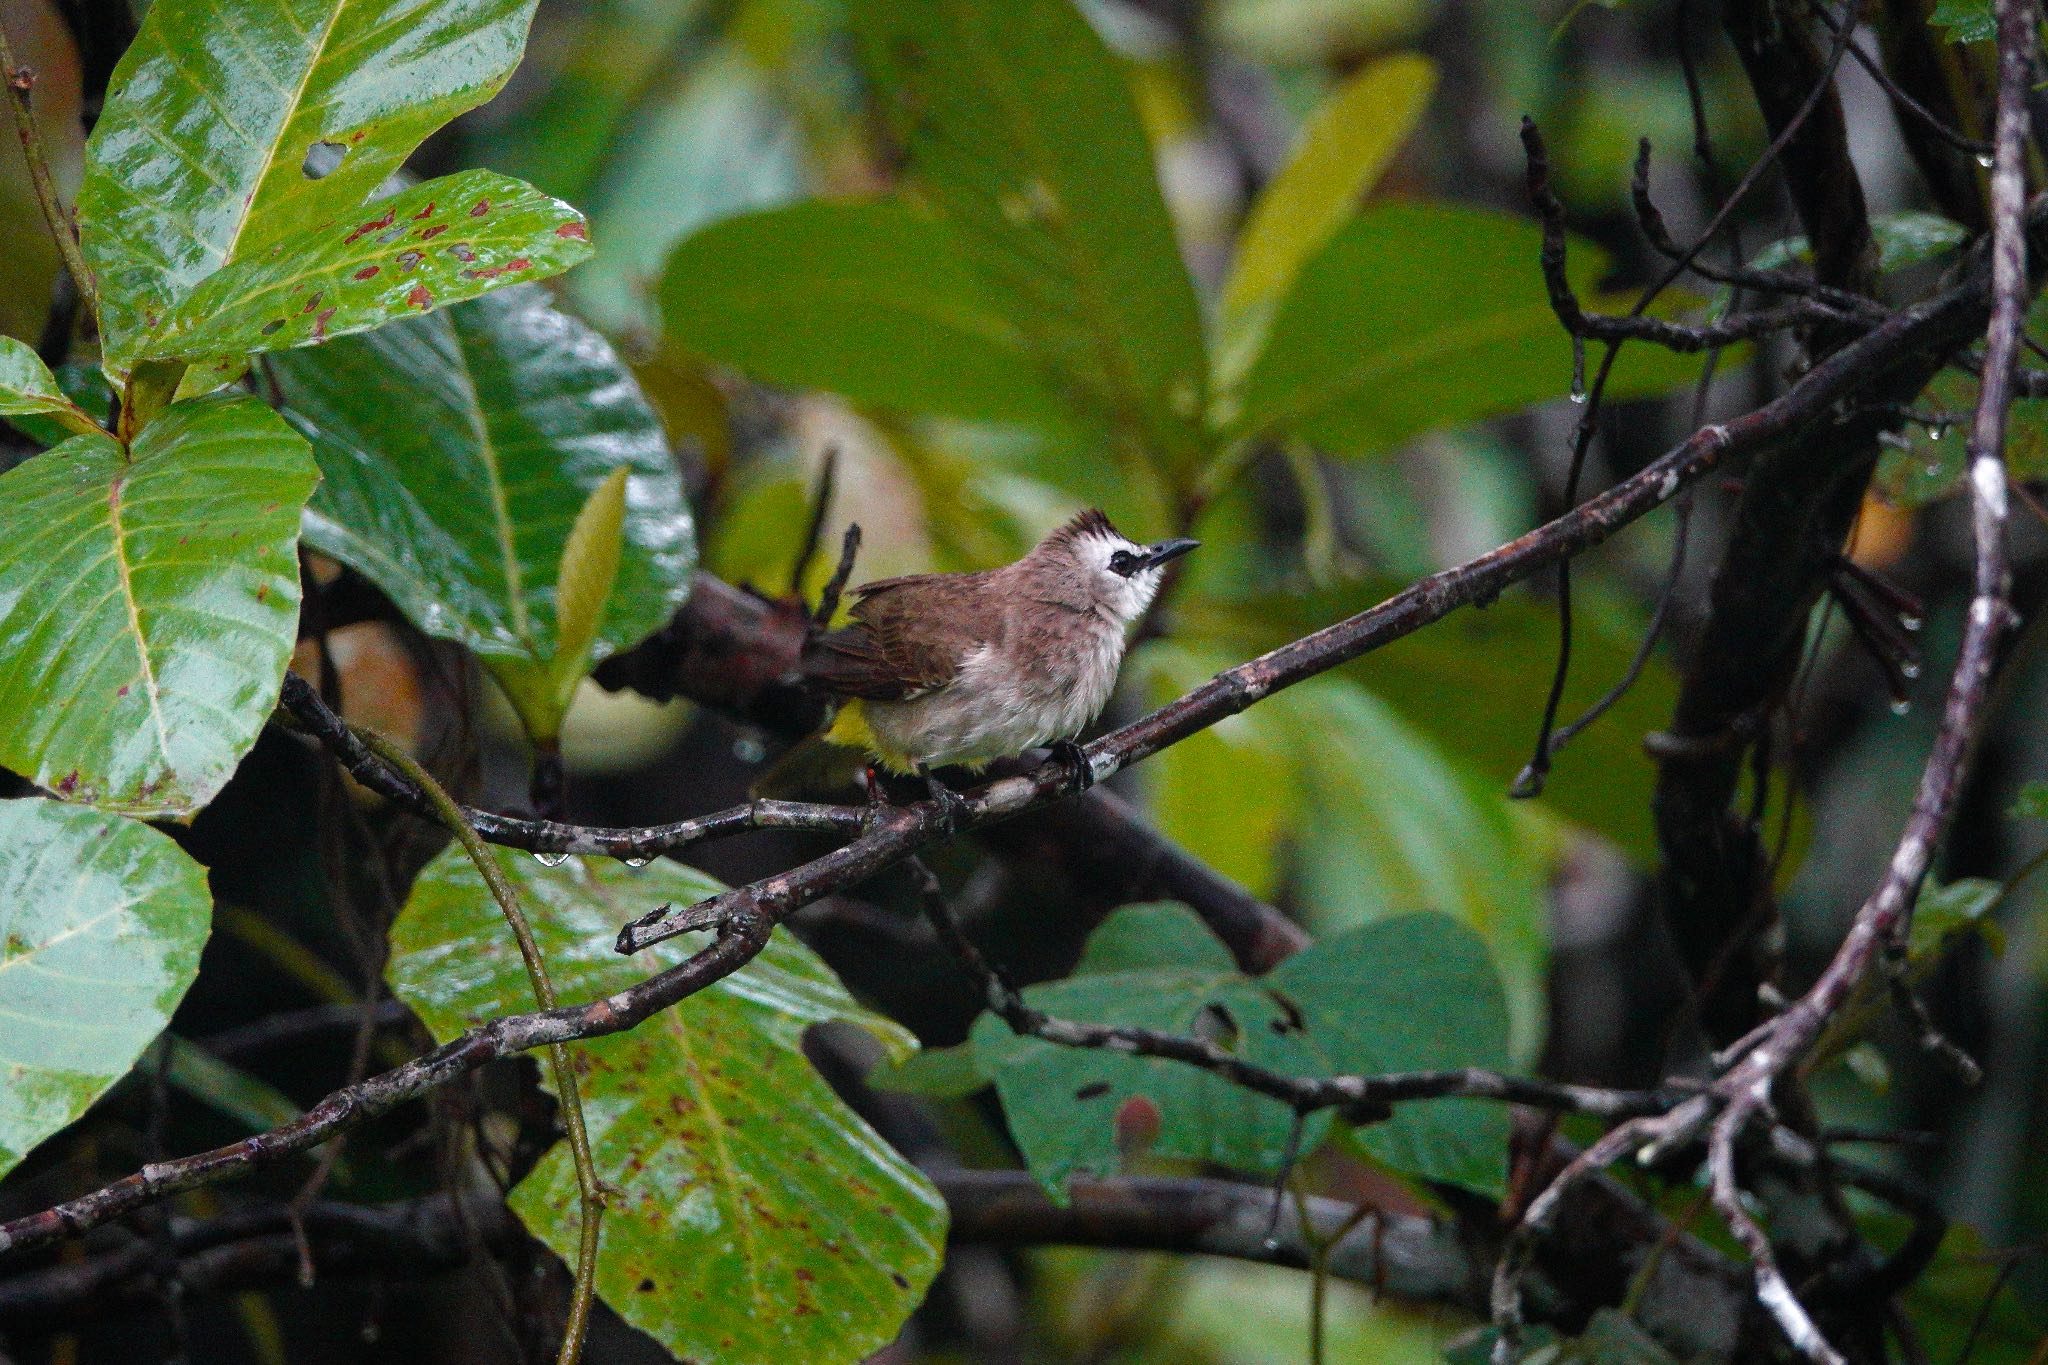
pixel 501 510
pixel 134 609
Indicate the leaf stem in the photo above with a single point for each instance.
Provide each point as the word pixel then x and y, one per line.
pixel 18 80
pixel 589 1193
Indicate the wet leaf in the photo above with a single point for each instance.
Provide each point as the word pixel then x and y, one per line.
pixel 1342 151
pixel 27 388
pixel 457 450
pixel 1965 21
pixel 1413 992
pixel 870 300
pixel 756 1219
pixel 432 245
pixel 1021 129
pixel 155 599
pixel 1369 349
pixel 101 923
pixel 308 105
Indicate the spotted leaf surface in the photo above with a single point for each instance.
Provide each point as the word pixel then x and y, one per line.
pixel 457 450
pixel 101 923
pixel 757 1220
pixel 306 106
pixel 1409 993
pixel 148 603
pixel 439 243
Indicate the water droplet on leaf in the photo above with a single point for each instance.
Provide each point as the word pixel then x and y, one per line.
pixel 550 859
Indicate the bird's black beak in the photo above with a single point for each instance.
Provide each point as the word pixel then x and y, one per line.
pixel 1167 550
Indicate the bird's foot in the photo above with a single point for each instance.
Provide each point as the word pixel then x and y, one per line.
pixel 952 805
pixel 1070 752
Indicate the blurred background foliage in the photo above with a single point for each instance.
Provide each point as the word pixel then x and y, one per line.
pixel 781 293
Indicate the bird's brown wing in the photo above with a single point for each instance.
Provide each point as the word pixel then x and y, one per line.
pixel 908 637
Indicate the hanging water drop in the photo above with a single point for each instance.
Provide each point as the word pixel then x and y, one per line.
pixel 1909 669
pixel 636 862
pixel 1900 706
pixel 1984 159
pixel 1938 432
pixel 550 859
pixel 1270 1245
pixel 1910 623
pixel 1578 369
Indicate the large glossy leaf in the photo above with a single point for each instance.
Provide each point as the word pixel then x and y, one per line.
pixel 1415 992
pixel 101 923
pixel 1418 316
pixel 229 129
pixel 27 388
pixel 1343 150
pixel 435 244
pixel 756 1220
pixel 1021 128
pixel 869 300
pixel 148 604
pixel 457 450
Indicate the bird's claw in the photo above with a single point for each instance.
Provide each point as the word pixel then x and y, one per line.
pixel 952 805
pixel 1070 752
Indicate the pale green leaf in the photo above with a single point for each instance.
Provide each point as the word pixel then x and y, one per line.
pixel 27 388
pixel 435 244
pixel 1343 149
pixel 101 923
pixel 756 1220
pixel 590 566
pixel 149 601
pixel 227 130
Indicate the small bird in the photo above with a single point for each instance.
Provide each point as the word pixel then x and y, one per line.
pixel 964 668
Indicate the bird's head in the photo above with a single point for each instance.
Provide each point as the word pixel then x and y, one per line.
pixel 1107 568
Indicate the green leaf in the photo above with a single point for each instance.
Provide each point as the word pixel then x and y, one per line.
pixel 722 144
pixel 1343 149
pixel 148 605
pixel 1413 992
pixel 1022 130
pixel 870 300
pixel 227 131
pixel 938 1073
pixel 457 450
pixel 27 387
pixel 1370 349
pixel 435 244
pixel 1969 1306
pixel 1947 912
pixel 251 1101
pixel 590 566
pixel 101 923
pixel 1903 239
pixel 1967 21
pixel 2031 802
pixel 756 1219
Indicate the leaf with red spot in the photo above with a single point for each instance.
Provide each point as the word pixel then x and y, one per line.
pixel 372 267
pixel 756 1219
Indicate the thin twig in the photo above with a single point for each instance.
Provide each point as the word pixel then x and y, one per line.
pixel 19 80
pixel 590 1193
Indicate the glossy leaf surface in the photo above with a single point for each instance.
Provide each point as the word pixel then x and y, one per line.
pixel 457 450
pixel 148 605
pixel 1415 992
pixel 306 106
pixel 1021 128
pixel 101 923
pixel 435 244
pixel 755 1218
pixel 870 300
pixel 27 388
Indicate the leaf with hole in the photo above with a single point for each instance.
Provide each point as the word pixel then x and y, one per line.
pixel 1413 992
pixel 457 450
pixel 756 1220
pixel 101 923
pixel 1021 129
pixel 435 244
pixel 307 106
pixel 148 603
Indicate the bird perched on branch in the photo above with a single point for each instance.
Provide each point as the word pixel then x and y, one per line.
pixel 963 668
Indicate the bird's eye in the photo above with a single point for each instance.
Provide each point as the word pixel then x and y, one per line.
pixel 1123 562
